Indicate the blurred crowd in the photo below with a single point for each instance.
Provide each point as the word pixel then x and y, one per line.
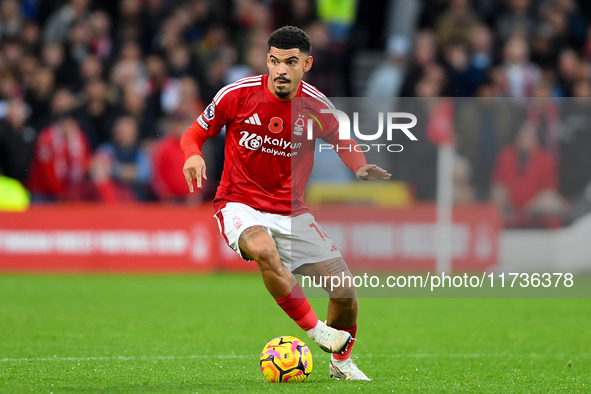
pixel 520 75
pixel 95 94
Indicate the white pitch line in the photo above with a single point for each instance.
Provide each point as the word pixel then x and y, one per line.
pixel 122 358
pixel 234 356
pixel 473 355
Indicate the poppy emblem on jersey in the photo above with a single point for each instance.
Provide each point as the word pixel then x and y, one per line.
pixel 209 112
pixel 276 125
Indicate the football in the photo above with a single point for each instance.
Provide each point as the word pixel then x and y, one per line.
pixel 286 359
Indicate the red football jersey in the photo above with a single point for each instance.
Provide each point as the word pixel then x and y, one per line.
pixel 267 160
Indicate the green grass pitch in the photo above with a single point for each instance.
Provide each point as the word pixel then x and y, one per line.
pixel 126 334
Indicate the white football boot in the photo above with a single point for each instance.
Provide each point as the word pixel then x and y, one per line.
pixel 330 339
pixel 346 370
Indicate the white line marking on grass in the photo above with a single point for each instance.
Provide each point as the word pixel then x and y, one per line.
pixel 473 355
pixel 124 358
pixel 234 356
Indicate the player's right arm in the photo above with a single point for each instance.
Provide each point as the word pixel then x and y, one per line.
pixel 194 170
pixel 208 124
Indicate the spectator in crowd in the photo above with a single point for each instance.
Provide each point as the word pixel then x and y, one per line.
pixel 417 163
pixel 168 182
pixel 388 78
pixel 575 142
pixel 129 69
pixel 96 113
pixel 186 97
pixel 543 114
pixel 28 66
pixel 586 50
pixel 61 156
pixel 129 163
pixel 544 51
pixel 11 51
pixel 568 65
pixel 481 49
pixel 525 183
pixel 61 21
pixel 456 23
pixel 299 13
pixel 424 57
pixel 29 37
pixel 179 61
pixel 90 69
pixel 254 63
pixel 327 73
pixel 17 141
pixel 11 19
pixel 101 41
pixel 522 75
pixel 53 56
pixel 462 76
pixel 518 18
pixel 484 126
pixel 38 95
pixel 103 187
pixel 140 109
pixel 129 25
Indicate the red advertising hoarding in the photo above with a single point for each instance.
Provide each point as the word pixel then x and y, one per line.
pixel 152 238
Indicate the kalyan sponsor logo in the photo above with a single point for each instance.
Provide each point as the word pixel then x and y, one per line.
pixel 275 146
pixel 250 141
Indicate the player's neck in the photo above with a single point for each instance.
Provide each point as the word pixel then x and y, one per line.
pixel 292 94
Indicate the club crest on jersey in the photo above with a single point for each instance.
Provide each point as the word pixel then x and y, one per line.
pixel 237 222
pixel 209 112
pixel 298 128
pixel 276 125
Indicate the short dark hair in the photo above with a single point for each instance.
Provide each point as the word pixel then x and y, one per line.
pixel 288 37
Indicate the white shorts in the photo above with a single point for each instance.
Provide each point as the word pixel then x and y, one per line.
pixel 300 239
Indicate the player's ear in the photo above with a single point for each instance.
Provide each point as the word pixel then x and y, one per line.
pixel 308 63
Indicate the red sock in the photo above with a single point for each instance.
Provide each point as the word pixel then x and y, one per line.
pixel 347 354
pixel 298 308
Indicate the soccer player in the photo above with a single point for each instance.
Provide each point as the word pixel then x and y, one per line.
pixel 259 202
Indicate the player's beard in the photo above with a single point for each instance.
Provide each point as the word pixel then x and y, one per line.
pixel 282 93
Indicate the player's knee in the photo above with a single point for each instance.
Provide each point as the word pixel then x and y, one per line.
pixel 345 293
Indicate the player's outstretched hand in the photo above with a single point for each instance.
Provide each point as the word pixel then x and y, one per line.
pixel 370 172
pixel 194 169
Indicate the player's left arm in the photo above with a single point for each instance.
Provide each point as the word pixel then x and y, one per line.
pixel 347 150
pixel 355 159
pixel 371 172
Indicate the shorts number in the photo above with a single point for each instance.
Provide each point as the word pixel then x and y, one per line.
pixel 320 231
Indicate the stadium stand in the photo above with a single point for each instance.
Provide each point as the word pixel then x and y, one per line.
pixel 151 59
